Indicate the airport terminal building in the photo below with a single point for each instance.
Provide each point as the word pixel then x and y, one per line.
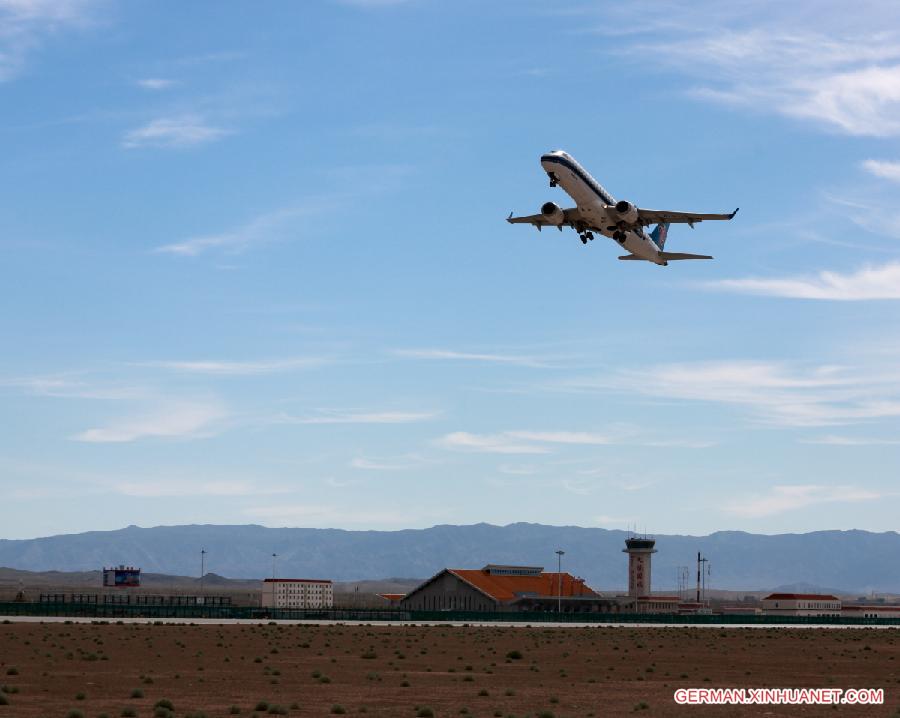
pixel 505 588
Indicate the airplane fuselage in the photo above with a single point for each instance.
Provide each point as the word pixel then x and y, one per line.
pixel 592 200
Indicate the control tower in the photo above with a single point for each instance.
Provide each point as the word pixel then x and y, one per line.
pixel 639 550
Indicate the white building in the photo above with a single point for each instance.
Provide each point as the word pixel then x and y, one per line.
pixel 801 604
pixel 880 610
pixel 297 593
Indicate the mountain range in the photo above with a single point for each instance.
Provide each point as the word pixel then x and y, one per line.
pixel 853 561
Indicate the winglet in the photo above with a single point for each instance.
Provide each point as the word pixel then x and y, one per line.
pixel 509 219
pixel 731 216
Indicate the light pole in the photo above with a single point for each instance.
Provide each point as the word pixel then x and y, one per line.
pixel 202 568
pixel 559 555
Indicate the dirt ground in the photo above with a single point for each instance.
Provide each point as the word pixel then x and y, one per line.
pixel 91 670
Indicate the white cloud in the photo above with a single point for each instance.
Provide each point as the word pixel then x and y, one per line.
pixel 25 23
pixel 67 388
pixel 790 498
pixel 181 131
pixel 155 83
pixel 326 515
pixel 158 488
pixel 450 355
pixel 881 168
pixel 335 416
pixel 778 393
pixel 489 443
pixel 176 419
pixel 372 465
pixel 237 368
pixel 783 58
pixel 868 283
pixel 561 437
pixel 263 228
pixel 834 440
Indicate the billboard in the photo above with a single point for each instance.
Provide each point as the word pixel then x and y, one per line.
pixel 122 577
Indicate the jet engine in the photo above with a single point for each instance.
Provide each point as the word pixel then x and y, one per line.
pixel 627 212
pixel 553 213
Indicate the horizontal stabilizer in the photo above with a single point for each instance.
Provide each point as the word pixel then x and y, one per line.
pixel 672 256
pixel 634 258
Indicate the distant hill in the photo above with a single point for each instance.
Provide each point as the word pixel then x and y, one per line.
pixel 854 561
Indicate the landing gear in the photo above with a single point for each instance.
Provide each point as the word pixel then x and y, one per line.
pixel 585 236
pixel 554 180
pixel 619 236
pixel 582 238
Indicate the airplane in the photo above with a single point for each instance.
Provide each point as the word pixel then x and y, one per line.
pixel 597 211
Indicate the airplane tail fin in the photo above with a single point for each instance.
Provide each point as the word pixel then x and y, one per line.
pixel 659 234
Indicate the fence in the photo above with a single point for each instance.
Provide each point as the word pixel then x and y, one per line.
pixel 110 610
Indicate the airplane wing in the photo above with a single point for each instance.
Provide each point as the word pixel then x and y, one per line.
pixel 657 216
pixel 539 220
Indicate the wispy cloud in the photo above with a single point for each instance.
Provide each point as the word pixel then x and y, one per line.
pixel 265 227
pixel 326 515
pixel 155 83
pixel 790 498
pixel 884 169
pixel 159 488
pixel 24 24
pixel 777 393
pixel 868 283
pixel 237 368
pixel 175 132
pixel 489 443
pixel 561 437
pixel 451 355
pixel 338 416
pixel 835 440
pixel 66 387
pixel 175 419
pixel 382 465
pixel 784 59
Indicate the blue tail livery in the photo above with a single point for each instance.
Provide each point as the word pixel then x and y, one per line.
pixel 659 235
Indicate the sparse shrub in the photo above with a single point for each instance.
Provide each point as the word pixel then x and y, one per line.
pixel 164 703
pixel 79 696
pixel 404 684
pixel 324 679
pixel 369 655
pixel 338 709
pixel 483 692
pixel 137 693
pixel 261 706
pixel 278 710
pixel 74 714
pixel 424 713
pixel 514 655
pixel 642 706
pixel 12 671
pixel 4 701
pixel 234 710
pixel 128 713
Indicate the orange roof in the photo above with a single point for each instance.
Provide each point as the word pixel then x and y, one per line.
pixel 507 588
pixel 392 596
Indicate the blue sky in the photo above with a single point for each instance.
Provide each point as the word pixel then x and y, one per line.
pixel 255 268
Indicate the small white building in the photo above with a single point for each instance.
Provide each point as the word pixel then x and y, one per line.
pixel 880 610
pixel 801 604
pixel 297 593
